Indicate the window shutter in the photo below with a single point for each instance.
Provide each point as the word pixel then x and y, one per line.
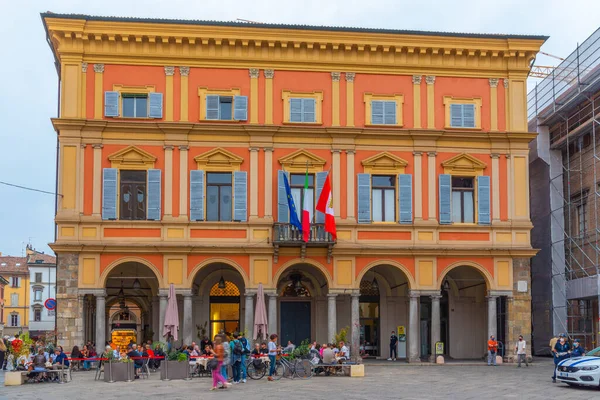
pixel 18 319
pixel 156 105
pixel 154 194
pixel 295 110
pixel 212 107
pixel 376 112
pixel 456 113
pixel 405 198
pixel 111 104
pixel 364 198
pixel 389 111
pixel 469 115
pixel 196 195
pixel 483 199
pixel 445 199
pixel 320 181
pixel 240 111
pixel 308 111
pixel 240 196
pixel 109 193
pixel 283 209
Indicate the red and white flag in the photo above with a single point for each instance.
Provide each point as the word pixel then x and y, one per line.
pixel 325 205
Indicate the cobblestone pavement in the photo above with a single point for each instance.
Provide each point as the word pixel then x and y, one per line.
pixel 382 381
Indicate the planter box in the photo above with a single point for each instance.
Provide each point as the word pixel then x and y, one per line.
pixel 13 378
pixel 174 370
pixel 119 371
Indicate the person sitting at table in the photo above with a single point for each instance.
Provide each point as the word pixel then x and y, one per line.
pixel 334 348
pixel 289 348
pixel 207 350
pixel 344 352
pixel 150 353
pixel 322 349
pixel 263 348
pixel 159 354
pixel 328 358
pixel 196 351
pixel 85 353
pixel 137 363
pixel 257 351
pixel 39 366
pixel 205 342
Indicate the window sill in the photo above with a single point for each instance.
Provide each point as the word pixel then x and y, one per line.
pixel 457 128
pixel 383 125
pixel 303 123
pixel 135 119
pixel 223 121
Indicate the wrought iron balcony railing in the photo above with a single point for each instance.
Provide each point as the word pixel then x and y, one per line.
pixel 287 235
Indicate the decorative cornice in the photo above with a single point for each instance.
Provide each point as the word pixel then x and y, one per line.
pixel 505 83
pixel 430 79
pixel 416 79
pixel 98 68
pixel 269 73
pixel 335 76
pixel 254 72
pixel 184 71
pixel 350 76
pixel 169 70
pixel 84 66
pixel 494 82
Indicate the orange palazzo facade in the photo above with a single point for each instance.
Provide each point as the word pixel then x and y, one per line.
pixel 174 140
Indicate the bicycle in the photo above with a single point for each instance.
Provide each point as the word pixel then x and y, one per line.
pixel 256 368
pixel 298 368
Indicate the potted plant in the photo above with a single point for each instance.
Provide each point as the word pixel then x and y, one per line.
pixel 116 370
pixel 176 366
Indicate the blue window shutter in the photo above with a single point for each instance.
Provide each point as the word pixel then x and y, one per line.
pixel 283 209
pixel 405 198
pixel 483 199
pixel 240 108
pixel 212 107
pixel 445 199
pixel 469 115
pixel 154 189
pixel 376 112
pixel 389 112
pixel 109 193
pixel 456 114
pixel 156 105
pixel 196 195
pixel 320 181
pixel 111 104
pixel 240 196
pixel 295 110
pixel 308 110
pixel 364 198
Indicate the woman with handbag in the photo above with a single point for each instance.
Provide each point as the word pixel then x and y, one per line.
pixel 219 353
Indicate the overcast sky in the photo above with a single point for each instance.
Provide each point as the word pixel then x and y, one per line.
pixel 29 93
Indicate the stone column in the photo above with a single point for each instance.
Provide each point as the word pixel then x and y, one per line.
pixel 355 348
pixel 435 323
pixel 413 328
pixel 331 316
pixel 188 314
pixel 492 315
pixel 100 319
pixel 164 301
pixel 249 316
pixel 272 313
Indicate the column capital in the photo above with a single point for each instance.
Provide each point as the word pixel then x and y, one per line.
pixel 507 156
pixel 350 76
pixel 431 154
pixel 416 79
pixel 84 66
pixel 505 80
pixel 350 152
pixel 98 68
pixel 491 297
pixel 249 293
pixel 254 149
pixel 269 73
pixel 254 73
pixel 184 148
pixel 336 151
pixel 414 294
pixel 494 155
pixel 493 82
pixel 97 146
pixel 430 79
pixel 335 76
pixel 417 153
pixel 168 147
pixel 272 295
pixel 332 295
pixel 184 71
pixel 435 296
pixel 83 145
pixel 355 295
pixel 169 70
pixel 268 149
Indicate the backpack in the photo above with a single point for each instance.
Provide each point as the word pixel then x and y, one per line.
pixel 237 348
pixel 245 345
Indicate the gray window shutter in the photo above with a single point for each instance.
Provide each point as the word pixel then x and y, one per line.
pixel 469 115
pixel 308 110
pixel 240 196
pixel 196 195
pixel 295 110
pixel 156 105
pixel 405 198
pixel 389 112
pixel 456 113
pixel 283 209
pixel 212 107
pixel 154 190
pixel 364 198
pixel 240 108
pixel 376 112
pixel 445 199
pixel 320 181
pixel 111 104
pixel 109 193
pixel 483 199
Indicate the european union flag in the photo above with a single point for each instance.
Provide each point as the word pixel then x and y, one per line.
pixel 293 212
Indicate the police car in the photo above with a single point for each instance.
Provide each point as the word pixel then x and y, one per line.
pixel 580 371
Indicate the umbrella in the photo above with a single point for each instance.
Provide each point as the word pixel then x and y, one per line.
pixel 260 318
pixel 172 315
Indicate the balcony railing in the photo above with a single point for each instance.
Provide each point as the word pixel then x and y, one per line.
pixel 287 235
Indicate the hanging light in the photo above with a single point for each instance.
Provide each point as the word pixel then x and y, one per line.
pixel 446 285
pixel 374 284
pixel 221 283
pixel 137 284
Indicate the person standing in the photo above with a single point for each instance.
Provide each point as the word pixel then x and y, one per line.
pixel 236 357
pixel 578 350
pixel 272 355
pixel 226 355
pixel 393 347
pixel 492 350
pixel 219 354
pixel 552 343
pixel 245 354
pixel 561 352
pixel 521 353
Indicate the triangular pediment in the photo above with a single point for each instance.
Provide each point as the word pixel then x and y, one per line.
pixel 132 156
pixel 218 159
pixel 301 159
pixel 384 160
pixel 463 163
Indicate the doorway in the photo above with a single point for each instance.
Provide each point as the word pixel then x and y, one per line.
pixel 295 322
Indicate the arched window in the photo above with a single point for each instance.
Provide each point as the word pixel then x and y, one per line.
pixel 295 289
pixel 224 308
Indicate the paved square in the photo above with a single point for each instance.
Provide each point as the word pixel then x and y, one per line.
pixel 383 381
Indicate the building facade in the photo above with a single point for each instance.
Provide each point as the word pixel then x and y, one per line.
pixel 564 167
pixel 16 294
pixel 3 283
pixel 42 278
pixel 176 138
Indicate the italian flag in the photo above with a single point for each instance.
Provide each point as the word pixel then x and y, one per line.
pixel 325 205
pixel 305 211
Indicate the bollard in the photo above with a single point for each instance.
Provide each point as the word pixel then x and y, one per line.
pixel 166 370
pixel 62 371
pixel 128 373
pixel 187 378
pixel 110 374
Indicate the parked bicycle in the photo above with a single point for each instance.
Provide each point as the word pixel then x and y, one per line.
pixel 297 368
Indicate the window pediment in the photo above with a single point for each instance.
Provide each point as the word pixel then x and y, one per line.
pixel 132 157
pixel 464 164
pixel 219 160
pixel 384 163
pixel 300 160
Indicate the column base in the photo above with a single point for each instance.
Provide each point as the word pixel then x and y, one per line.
pixel 413 360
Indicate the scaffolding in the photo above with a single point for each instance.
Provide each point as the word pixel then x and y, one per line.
pixel 566 106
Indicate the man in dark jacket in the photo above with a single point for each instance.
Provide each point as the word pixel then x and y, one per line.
pixel 393 347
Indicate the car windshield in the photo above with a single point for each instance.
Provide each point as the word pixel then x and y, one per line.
pixel 595 352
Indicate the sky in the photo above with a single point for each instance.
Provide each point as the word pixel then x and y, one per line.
pixel 29 90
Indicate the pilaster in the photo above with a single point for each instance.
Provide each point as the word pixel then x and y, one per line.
pixel 416 80
pixel 98 92
pixel 350 180
pixel 494 103
pixel 254 95
pixel 169 72
pixel 431 181
pixel 97 180
pixel 168 181
pixel 184 72
pixel 430 81
pixel 253 182
pixel 183 179
pixel 335 98
pixel 335 179
pixel 418 163
pixel 350 98
pixel 269 75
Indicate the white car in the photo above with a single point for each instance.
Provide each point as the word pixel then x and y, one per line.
pixel 580 371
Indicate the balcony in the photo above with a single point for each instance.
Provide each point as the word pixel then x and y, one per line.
pixel 287 235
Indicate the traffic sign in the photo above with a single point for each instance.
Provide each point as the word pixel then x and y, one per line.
pixel 50 304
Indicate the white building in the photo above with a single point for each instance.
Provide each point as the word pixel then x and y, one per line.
pixel 42 286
